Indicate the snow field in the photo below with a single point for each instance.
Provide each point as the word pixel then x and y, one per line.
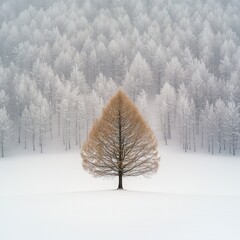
pixel 119 215
pixel 49 196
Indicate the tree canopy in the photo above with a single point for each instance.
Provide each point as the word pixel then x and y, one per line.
pixel 120 142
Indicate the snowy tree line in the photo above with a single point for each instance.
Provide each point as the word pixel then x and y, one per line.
pixel 61 61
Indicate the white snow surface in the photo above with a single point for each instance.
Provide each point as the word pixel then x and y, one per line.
pixel 49 196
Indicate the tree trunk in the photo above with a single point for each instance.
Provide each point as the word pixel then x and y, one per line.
pixel 233 144
pixel 79 139
pixel 25 138
pixel 189 138
pixel 219 143
pixel 41 140
pixel 19 132
pixel 212 145
pixel 59 123
pixel 69 135
pixel 209 149
pixel 120 185
pixel 169 126
pixel 76 133
pixel 185 140
pixel 2 144
pixel 120 151
pixel 51 131
pixel 33 141
pixel 194 139
pixel 87 126
pixel 202 138
pixel 165 138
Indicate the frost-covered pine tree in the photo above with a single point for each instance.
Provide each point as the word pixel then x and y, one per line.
pixel 129 85
pixel 25 124
pixel 159 64
pixel 116 62
pixel 139 77
pixel 43 121
pixel 233 86
pixel 174 73
pixel 104 87
pixel 67 108
pixel 5 124
pixel 3 98
pixel 32 114
pixel 92 67
pixel 184 117
pixel 77 78
pixel 232 126
pixel 197 91
pixel 142 103
pixel 101 51
pixel 167 108
pixel 225 68
pixel 80 122
pixel 43 75
pixel 20 90
pixel 93 104
pixel 210 126
pixel 220 110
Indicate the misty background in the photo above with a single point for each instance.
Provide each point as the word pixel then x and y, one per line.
pixel 179 61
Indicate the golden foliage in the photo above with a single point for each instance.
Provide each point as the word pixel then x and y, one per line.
pixel 120 142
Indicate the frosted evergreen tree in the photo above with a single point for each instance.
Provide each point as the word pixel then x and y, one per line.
pixel 77 78
pixel 116 62
pixel 104 88
pixel 174 73
pixel 210 126
pixel 25 123
pixel 5 124
pixel 22 94
pixel 140 74
pixel 232 126
pixel 142 103
pixel 220 109
pixel 225 68
pixel 159 64
pixel 185 117
pixel 43 121
pixel 67 108
pixel 167 107
pixel 3 98
pixel 101 57
pixel 197 89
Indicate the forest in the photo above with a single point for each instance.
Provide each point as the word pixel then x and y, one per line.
pixel 61 61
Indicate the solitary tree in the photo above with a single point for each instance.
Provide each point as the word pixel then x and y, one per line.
pixel 120 142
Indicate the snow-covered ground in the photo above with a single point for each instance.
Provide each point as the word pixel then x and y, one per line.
pixel 49 196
